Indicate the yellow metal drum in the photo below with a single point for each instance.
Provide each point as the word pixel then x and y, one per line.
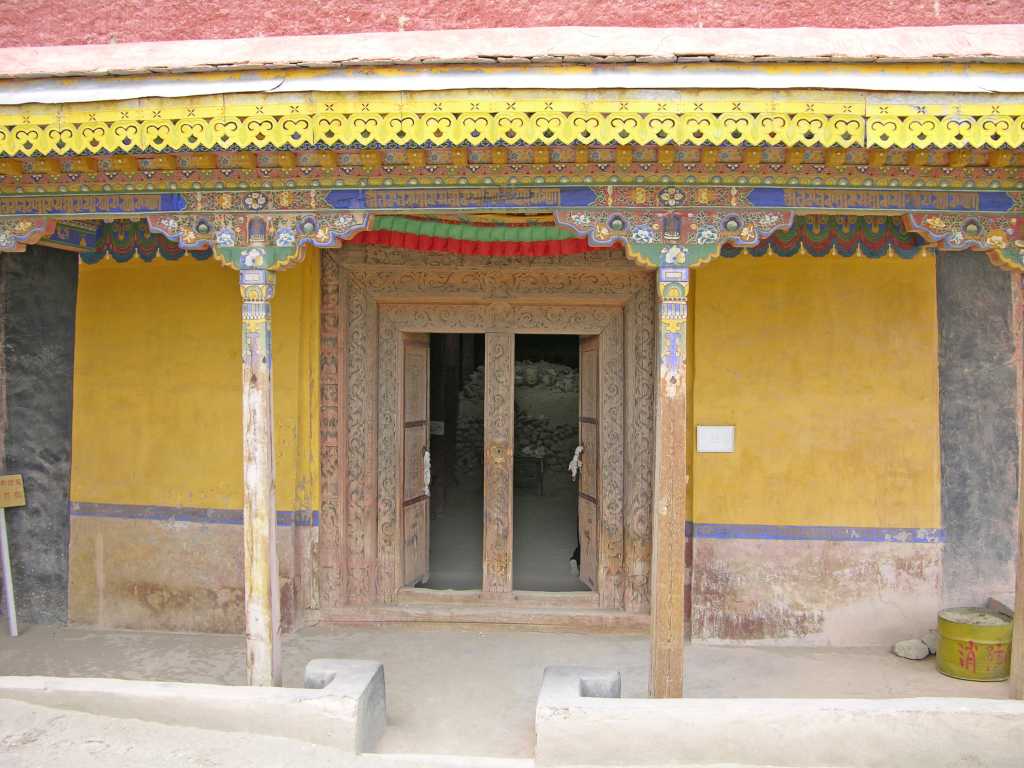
pixel 974 644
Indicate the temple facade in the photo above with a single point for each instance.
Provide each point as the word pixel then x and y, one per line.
pixel 286 333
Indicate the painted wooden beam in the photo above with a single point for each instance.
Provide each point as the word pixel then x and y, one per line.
pixel 262 594
pixel 671 484
pixel 1017 651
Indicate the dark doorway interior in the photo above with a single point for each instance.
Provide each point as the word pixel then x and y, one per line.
pixel 544 499
pixel 456 451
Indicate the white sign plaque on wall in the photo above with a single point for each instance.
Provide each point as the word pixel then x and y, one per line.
pixel 716 439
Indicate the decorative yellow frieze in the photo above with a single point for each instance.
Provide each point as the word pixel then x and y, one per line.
pixel 293 121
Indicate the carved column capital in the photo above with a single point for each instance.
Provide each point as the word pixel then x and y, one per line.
pixel 260 241
pixel 999 235
pixel 681 237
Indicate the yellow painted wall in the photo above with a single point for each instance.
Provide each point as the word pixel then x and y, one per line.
pixel 157 388
pixel 828 369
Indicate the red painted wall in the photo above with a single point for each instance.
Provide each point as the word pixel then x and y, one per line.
pixel 46 22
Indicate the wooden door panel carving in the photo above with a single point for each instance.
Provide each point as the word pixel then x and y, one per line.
pixel 415 444
pixel 589 490
pixel 499 422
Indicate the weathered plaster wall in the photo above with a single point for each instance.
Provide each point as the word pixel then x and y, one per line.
pixel 979 437
pixel 156 482
pixel 158 406
pixel 43 22
pixel 823 525
pixel 827 368
pixel 39 350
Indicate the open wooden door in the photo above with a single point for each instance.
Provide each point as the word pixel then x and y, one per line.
pixel 587 483
pixel 415 458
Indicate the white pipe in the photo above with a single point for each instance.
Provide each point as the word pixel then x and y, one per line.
pixel 12 617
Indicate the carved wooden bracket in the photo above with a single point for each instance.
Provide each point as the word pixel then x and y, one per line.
pixel 16 234
pixel 258 241
pixel 1000 236
pixel 675 237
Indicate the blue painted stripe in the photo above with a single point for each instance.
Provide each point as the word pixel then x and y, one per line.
pixel 816 533
pixel 285 518
pixel 305 518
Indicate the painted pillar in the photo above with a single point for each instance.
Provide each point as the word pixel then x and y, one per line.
pixel 671 489
pixel 1017 648
pixel 262 594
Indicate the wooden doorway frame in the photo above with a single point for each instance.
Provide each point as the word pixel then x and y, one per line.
pixel 374 294
pixel 499 324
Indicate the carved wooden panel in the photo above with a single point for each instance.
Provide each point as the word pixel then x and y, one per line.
pixel 610 541
pixel 588 482
pixel 499 440
pixel 389 445
pixel 332 561
pixel 612 259
pixel 640 352
pixel 415 444
pixel 361 378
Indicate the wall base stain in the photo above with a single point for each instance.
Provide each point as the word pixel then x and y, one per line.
pixel 158 575
pixel 814 592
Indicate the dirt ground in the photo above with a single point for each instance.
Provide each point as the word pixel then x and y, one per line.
pixel 472 692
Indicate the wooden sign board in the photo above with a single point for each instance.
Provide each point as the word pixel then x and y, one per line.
pixel 12 491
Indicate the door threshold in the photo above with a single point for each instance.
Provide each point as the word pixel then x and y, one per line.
pixel 524 598
pixel 566 617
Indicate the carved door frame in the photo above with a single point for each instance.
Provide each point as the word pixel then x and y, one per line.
pixel 499 324
pixel 383 292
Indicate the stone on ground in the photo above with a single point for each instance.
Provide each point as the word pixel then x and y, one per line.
pixel 911 649
pixel 931 639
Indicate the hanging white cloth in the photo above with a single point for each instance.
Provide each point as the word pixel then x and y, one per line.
pixel 577 462
pixel 426 472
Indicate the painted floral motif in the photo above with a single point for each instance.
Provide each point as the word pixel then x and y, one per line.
pixel 671 197
pixel 706 236
pixel 255 201
pixel 643 234
pixel 284 237
pixel 226 237
pixel 253 257
pixel 674 254
pixel 168 224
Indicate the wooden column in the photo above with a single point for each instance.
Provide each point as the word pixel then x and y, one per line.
pixel 1017 653
pixel 671 484
pixel 262 594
